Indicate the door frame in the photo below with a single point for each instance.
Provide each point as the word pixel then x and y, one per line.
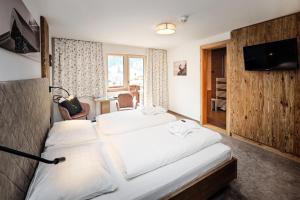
pixel 205 52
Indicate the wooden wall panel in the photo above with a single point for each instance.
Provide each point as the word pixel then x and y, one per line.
pixel 44 48
pixel 264 106
pixel 296 136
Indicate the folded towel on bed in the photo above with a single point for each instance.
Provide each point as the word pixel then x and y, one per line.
pixel 183 127
pixel 153 110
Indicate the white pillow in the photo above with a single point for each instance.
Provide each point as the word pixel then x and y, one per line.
pixel 70 132
pixel 84 175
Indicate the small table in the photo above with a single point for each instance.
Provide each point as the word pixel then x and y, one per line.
pixel 105 103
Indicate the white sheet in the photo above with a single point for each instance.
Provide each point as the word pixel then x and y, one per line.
pixel 153 110
pixel 160 182
pixel 150 148
pixel 129 120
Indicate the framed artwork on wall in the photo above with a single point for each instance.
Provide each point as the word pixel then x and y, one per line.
pixel 180 68
pixel 19 31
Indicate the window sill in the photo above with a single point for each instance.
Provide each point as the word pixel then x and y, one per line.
pixel 117 89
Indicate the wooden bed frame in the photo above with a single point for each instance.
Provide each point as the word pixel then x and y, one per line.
pixel 205 186
pixel 24 124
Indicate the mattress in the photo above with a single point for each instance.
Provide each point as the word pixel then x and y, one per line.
pixel 165 180
pixel 130 120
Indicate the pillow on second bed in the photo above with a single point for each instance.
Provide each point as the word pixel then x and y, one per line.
pixel 84 175
pixel 70 132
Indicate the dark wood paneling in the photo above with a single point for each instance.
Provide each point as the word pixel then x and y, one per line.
pixel 296 136
pixel 218 64
pixel 45 48
pixel 264 106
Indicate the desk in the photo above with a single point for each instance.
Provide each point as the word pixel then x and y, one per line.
pixel 105 103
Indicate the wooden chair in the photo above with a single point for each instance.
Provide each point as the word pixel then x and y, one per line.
pixel 125 102
pixel 135 92
pixel 82 115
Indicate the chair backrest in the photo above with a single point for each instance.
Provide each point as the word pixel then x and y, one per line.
pixel 125 100
pixel 135 92
pixel 64 113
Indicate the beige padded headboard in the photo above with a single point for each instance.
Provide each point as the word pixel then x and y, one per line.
pixel 24 124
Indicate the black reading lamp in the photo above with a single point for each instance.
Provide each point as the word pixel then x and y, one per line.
pixel 56 98
pixel 30 156
pixel 33 157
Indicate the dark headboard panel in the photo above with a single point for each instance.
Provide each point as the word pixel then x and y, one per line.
pixel 24 124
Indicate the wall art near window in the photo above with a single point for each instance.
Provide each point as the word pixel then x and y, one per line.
pixel 180 68
pixel 19 32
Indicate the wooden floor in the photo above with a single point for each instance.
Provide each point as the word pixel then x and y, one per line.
pixel 217 118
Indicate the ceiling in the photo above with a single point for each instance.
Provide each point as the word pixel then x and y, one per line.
pixel 132 22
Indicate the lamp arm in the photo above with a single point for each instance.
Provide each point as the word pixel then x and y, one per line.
pixel 56 87
pixel 30 156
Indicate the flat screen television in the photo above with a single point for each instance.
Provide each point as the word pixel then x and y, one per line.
pixel 280 55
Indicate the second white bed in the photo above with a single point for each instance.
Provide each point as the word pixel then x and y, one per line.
pixel 165 180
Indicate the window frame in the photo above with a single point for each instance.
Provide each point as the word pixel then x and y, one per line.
pixel 126 72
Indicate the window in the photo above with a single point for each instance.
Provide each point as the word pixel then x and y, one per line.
pixel 124 71
pixel 115 71
pixel 136 71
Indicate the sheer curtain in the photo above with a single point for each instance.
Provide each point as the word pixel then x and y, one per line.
pixel 78 67
pixel 156 78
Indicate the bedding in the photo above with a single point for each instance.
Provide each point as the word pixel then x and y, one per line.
pixel 148 149
pixel 130 120
pixel 165 180
pixel 153 110
pixel 70 132
pixel 83 175
pixel 183 127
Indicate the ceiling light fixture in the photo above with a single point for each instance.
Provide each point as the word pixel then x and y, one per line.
pixel 165 29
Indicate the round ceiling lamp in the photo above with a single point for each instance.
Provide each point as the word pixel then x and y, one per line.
pixel 165 29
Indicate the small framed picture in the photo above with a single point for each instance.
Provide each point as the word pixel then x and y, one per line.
pixel 180 68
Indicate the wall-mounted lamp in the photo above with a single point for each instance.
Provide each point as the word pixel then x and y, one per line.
pixel 30 156
pixel 56 98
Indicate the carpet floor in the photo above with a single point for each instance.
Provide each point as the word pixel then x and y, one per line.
pixel 262 175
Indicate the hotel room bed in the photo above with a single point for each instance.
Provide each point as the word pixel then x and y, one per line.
pixel 165 180
pixel 197 176
pixel 130 120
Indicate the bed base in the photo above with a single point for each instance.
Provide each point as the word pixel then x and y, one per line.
pixel 205 186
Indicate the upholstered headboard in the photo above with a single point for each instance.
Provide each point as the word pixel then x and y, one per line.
pixel 24 124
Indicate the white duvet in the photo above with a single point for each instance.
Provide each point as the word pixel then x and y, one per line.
pixel 148 149
pixel 130 120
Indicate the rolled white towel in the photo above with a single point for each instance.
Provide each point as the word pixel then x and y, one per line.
pixel 183 127
pixel 153 110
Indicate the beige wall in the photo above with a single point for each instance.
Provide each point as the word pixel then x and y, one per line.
pixel 184 91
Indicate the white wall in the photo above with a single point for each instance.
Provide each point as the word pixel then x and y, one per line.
pixel 15 67
pixel 107 49
pixel 184 91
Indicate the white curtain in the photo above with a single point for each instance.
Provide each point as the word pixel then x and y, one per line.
pixel 156 78
pixel 78 67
